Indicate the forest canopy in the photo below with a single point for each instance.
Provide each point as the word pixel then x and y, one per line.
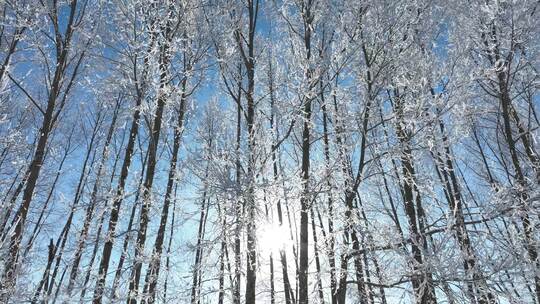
pixel 270 151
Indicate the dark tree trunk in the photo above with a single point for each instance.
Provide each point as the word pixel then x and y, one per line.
pixel 273 126
pixel 195 287
pixel 116 204
pixel 63 43
pixel 153 144
pixel 306 145
pixel 152 274
pixel 421 279
pixel 93 201
pixel 127 239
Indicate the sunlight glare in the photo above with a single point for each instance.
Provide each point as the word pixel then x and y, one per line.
pixel 272 237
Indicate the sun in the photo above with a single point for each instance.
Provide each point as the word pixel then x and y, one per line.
pixel 273 237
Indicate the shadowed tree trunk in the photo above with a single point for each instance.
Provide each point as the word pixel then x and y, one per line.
pixel 50 115
pixel 274 127
pixel 62 238
pixel 246 48
pixel 197 273
pixel 93 201
pixel 140 89
pixel 305 200
pixel 117 202
pixel 152 274
pixel 421 279
pixel 164 61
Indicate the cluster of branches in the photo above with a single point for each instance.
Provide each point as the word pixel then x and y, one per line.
pixel 243 151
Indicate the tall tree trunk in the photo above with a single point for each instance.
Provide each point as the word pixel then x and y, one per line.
pixel 274 150
pixel 502 85
pixel 239 202
pixel 92 259
pixel 445 167
pixel 64 234
pixel 93 201
pixel 269 219
pixel 222 253
pixel 117 203
pixel 99 223
pixel 249 64
pixel 152 274
pixel 151 167
pixel 38 226
pixel 167 262
pixel 305 203
pixel 317 259
pixel 528 227
pixel 63 43
pixel 352 182
pixel 127 239
pixel 331 236
pixel 421 278
pixel 195 286
pixel 140 89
